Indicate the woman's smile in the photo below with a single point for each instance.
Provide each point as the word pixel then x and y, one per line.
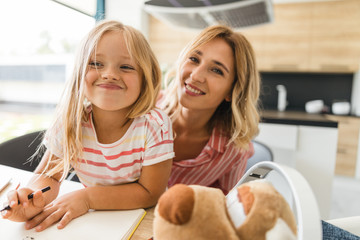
pixel 192 90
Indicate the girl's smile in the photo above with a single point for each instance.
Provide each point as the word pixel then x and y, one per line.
pixel 110 86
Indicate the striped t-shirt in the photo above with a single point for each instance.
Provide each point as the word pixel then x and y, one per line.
pixel 149 140
pixel 218 165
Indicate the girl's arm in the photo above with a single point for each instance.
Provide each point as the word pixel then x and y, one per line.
pixel 39 180
pixel 27 209
pixel 144 193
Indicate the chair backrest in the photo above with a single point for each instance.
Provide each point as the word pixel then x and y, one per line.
pixel 261 153
pixel 296 191
pixel 16 152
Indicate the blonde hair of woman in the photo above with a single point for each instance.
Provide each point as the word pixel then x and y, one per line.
pixel 239 118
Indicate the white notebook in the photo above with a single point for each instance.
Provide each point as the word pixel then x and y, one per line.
pixel 93 225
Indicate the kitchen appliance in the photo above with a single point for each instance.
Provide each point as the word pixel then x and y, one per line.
pixel 314 106
pixel 282 102
pixel 200 14
pixel 340 108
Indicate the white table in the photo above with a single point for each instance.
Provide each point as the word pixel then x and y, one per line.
pixel 144 231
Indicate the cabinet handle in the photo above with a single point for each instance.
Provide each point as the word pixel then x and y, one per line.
pixel 341 150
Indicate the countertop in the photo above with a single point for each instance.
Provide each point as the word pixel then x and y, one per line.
pixel 296 118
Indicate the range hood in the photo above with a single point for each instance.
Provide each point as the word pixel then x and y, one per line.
pixel 198 14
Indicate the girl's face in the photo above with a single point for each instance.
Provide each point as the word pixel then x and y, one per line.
pixel 113 79
pixel 206 76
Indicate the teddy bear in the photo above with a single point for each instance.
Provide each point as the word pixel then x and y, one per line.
pixel 196 212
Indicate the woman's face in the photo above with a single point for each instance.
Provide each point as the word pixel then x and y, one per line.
pixel 206 76
pixel 113 80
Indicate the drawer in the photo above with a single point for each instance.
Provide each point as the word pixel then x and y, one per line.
pixel 347 151
pixel 348 135
pixel 345 163
pixel 278 135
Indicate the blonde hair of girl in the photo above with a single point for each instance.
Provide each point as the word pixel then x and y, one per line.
pixel 72 108
pixel 239 118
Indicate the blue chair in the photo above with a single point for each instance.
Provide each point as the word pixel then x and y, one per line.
pixel 261 153
pixel 17 152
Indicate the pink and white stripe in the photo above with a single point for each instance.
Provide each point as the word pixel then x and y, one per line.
pixel 149 140
pixel 218 165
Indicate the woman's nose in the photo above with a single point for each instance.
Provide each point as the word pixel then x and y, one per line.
pixel 198 74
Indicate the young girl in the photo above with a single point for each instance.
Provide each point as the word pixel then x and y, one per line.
pixel 107 130
pixel 212 100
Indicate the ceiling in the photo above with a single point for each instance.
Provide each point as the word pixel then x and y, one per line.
pixel 87 7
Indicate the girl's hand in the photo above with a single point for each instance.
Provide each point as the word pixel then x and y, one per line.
pixel 27 209
pixel 63 209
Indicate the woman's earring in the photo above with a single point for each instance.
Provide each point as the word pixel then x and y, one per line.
pixel 86 102
pixel 228 98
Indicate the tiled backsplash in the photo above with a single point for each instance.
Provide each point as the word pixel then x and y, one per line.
pixel 304 87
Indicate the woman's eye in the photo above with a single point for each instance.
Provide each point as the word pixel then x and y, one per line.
pixel 194 59
pixel 218 71
pixel 95 64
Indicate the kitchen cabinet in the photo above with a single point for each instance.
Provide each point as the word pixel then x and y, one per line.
pixel 309 36
pixel 309 149
pixel 335 36
pixel 283 45
pixel 347 146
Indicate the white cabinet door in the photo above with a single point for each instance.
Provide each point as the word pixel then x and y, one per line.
pixel 315 160
pixel 310 150
pixel 282 140
pixel 278 135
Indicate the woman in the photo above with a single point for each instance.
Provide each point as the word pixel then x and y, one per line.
pixel 212 101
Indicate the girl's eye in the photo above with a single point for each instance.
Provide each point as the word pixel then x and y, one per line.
pixel 218 71
pixel 95 64
pixel 127 67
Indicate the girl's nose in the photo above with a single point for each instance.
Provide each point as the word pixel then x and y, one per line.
pixel 109 74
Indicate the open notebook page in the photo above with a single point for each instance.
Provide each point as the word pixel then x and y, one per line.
pixel 93 225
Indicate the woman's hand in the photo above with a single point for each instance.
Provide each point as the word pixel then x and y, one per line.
pixel 27 209
pixel 62 209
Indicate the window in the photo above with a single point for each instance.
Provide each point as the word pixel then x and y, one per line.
pixel 38 42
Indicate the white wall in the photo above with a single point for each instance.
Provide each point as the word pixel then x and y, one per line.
pixel 355 95
pixel 128 12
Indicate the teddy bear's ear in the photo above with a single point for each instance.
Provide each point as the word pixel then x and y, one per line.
pixel 176 204
pixel 246 197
